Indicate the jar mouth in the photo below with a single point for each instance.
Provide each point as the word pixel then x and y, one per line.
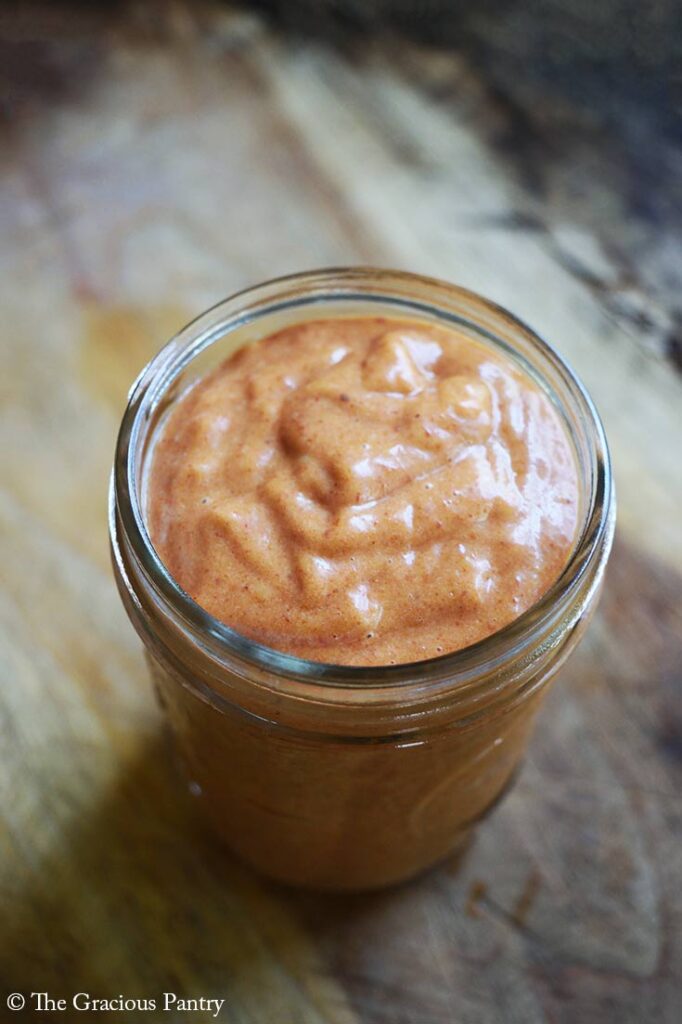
pixel 419 296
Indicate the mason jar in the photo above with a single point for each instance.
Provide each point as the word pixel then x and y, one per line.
pixel 329 776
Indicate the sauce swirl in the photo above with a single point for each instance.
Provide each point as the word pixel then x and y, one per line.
pixel 364 491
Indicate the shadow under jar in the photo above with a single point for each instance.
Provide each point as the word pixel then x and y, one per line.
pixel 335 777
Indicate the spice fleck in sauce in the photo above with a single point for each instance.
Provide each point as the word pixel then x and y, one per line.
pixel 364 491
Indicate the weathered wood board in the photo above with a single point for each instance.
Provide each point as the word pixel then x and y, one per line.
pixel 172 157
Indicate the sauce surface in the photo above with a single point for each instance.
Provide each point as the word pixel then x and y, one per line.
pixel 364 491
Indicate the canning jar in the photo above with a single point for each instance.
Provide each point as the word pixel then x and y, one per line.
pixel 329 776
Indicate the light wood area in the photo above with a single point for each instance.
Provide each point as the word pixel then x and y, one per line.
pixel 173 160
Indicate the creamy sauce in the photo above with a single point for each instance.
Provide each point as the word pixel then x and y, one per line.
pixel 364 491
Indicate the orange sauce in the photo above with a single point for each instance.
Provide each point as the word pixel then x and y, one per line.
pixel 364 491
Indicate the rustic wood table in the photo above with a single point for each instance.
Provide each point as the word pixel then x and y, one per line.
pixel 151 164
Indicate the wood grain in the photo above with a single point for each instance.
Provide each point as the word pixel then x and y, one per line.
pixel 180 155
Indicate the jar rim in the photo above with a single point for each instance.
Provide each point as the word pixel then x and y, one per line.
pixel 447 302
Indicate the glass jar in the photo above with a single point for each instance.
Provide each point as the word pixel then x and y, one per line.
pixel 337 777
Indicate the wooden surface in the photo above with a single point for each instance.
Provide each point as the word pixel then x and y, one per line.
pixel 150 166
